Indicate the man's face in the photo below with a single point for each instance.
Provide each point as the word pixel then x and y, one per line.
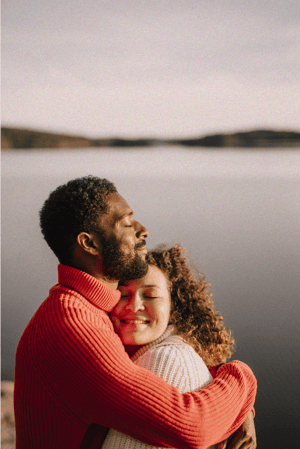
pixel 122 241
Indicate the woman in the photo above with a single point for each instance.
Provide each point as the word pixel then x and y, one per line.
pixel 168 324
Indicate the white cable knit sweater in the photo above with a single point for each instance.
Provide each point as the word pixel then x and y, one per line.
pixel 174 361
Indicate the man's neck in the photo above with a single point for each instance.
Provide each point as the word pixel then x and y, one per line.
pixel 111 283
pixel 94 271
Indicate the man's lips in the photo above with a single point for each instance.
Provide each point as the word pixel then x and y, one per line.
pixel 141 247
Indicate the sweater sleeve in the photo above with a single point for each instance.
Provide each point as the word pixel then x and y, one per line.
pixel 105 387
pixel 181 367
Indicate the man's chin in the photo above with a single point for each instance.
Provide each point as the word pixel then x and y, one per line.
pixel 136 271
pixel 142 253
pixel 142 274
pixel 120 266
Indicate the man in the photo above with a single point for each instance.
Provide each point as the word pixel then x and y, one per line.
pixel 73 378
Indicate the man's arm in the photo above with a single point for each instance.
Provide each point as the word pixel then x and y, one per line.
pixel 243 438
pixel 177 365
pixel 105 387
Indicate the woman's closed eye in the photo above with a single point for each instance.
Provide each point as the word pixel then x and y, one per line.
pixel 125 295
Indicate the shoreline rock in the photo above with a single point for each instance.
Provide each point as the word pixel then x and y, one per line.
pixel 8 435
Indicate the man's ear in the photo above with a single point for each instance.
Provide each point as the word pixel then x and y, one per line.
pixel 89 242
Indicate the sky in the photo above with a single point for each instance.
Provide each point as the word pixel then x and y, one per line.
pixel 161 68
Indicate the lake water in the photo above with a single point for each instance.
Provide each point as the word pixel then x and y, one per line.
pixel 235 211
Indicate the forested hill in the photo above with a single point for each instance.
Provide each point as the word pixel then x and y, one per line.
pixel 16 138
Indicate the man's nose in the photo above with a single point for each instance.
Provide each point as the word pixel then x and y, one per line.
pixel 141 232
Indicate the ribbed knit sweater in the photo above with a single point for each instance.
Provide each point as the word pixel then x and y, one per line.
pixel 174 361
pixel 73 376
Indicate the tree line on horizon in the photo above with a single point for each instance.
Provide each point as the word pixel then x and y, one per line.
pixel 18 138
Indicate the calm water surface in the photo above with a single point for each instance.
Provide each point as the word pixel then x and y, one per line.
pixel 235 211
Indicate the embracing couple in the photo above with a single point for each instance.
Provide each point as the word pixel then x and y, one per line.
pixel 127 351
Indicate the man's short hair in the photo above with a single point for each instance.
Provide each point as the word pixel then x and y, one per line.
pixel 73 208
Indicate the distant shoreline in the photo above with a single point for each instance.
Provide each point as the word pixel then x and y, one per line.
pixel 18 138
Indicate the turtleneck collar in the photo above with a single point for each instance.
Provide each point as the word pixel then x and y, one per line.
pixel 95 291
pixel 170 331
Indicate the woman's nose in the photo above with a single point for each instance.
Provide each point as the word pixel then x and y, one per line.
pixel 135 303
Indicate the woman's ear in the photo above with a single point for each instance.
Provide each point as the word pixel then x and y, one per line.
pixel 89 242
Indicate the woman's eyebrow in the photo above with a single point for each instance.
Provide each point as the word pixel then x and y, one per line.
pixel 144 286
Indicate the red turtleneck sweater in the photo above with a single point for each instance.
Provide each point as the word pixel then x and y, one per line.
pixel 73 379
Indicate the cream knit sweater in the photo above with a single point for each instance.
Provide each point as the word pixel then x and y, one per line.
pixel 174 361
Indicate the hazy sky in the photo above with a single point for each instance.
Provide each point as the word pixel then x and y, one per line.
pixel 150 68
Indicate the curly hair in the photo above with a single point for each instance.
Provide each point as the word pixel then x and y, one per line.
pixel 73 208
pixel 192 310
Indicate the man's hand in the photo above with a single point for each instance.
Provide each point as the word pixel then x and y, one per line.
pixel 243 438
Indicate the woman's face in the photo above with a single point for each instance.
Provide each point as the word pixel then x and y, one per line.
pixel 143 312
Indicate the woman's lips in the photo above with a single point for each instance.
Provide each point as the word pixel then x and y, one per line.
pixel 134 321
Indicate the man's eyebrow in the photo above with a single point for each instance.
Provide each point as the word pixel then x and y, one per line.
pixel 126 214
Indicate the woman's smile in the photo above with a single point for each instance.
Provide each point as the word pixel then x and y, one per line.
pixel 143 312
pixel 134 321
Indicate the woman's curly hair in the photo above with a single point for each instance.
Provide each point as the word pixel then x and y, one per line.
pixel 192 310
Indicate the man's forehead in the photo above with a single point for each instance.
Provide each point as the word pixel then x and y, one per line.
pixel 118 206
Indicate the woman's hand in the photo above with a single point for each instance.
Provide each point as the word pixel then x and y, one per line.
pixel 243 438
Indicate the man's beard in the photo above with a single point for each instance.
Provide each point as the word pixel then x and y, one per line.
pixel 119 265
